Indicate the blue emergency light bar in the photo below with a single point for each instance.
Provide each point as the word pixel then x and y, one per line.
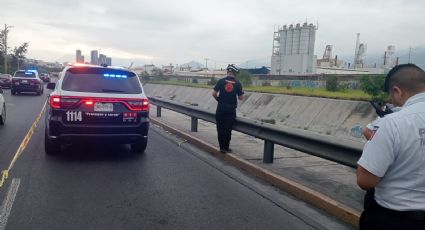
pixel 110 75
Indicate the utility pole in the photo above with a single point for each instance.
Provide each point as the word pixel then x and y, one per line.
pixel 6 30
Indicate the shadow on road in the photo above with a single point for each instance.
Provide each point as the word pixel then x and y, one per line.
pixel 96 152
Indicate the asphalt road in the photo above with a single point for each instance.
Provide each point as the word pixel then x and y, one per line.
pixel 108 187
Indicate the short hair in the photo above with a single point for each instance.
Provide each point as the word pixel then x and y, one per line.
pixel 406 76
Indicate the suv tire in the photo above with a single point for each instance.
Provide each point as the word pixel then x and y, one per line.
pixel 3 116
pixel 51 147
pixel 139 147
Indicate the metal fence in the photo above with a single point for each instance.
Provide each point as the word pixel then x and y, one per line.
pixel 345 153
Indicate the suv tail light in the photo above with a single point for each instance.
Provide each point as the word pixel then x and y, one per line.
pixel 138 105
pixel 58 102
pixel 55 101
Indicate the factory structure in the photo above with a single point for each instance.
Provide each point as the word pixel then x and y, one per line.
pixel 293 49
pixel 293 54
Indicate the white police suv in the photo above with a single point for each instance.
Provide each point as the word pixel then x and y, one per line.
pixel 95 103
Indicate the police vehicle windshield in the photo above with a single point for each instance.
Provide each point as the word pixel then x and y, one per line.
pixel 101 81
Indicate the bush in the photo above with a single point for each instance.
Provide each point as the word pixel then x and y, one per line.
pixel 374 86
pixel 332 84
pixel 194 80
pixel 245 78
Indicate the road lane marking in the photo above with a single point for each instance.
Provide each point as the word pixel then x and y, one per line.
pixel 7 204
pixel 24 143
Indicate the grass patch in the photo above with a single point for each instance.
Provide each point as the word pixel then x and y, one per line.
pixel 347 94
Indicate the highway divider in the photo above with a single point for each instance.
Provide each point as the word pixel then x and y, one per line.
pixel 342 152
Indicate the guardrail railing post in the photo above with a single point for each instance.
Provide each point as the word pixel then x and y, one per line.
pixel 268 151
pixel 158 111
pixel 194 124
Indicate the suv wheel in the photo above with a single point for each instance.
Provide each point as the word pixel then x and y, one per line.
pixel 139 147
pixel 3 116
pixel 51 147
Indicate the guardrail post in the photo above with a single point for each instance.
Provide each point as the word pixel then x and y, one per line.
pixel 194 125
pixel 158 111
pixel 268 151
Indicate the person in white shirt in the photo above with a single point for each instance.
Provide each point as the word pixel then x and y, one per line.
pixel 393 160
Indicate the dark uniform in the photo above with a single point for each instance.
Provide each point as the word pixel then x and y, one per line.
pixel 229 89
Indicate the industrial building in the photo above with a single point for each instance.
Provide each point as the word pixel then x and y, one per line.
pixel 293 49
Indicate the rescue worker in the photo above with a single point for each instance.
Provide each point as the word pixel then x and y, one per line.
pixel 392 165
pixel 226 92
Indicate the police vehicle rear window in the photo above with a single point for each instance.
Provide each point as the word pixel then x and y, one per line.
pixel 96 80
pixel 24 74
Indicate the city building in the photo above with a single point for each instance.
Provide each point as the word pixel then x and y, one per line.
pixel 293 50
pixel 94 57
pixel 78 57
pixel 102 59
pixel 109 61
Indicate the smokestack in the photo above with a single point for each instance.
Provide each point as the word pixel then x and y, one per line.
pixel 356 51
pixel 385 58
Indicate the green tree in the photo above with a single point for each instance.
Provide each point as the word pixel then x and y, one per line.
pixel 332 84
pixel 374 86
pixel 18 55
pixel 244 77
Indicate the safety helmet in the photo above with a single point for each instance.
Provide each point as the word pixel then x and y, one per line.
pixel 232 68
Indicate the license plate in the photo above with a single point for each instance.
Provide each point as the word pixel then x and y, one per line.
pixel 24 81
pixel 103 107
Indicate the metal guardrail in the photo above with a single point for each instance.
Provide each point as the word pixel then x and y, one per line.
pixel 346 153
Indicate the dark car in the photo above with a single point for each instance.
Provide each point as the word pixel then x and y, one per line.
pixel 5 80
pixel 26 81
pixel 45 77
pixel 96 104
pixel 2 108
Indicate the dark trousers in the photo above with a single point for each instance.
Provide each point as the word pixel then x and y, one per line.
pixel 377 217
pixel 224 120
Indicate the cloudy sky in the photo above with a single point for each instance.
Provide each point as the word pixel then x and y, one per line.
pixel 224 31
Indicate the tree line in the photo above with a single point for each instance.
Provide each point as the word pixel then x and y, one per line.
pixel 15 57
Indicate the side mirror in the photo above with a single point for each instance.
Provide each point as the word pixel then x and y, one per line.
pixel 51 85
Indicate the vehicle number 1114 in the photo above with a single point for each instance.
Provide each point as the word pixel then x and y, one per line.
pixel 74 116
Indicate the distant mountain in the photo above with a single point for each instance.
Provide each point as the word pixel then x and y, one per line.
pixel 256 63
pixel 193 65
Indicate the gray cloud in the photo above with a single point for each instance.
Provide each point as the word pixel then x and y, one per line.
pixel 180 31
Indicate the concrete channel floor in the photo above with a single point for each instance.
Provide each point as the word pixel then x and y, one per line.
pixel 329 178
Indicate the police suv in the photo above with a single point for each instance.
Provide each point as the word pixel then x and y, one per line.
pixel 94 103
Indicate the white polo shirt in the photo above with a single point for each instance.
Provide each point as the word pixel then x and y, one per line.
pixel 396 153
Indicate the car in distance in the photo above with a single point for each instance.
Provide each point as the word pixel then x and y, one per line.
pixel 45 77
pixel 2 108
pixel 95 103
pixel 26 81
pixel 5 80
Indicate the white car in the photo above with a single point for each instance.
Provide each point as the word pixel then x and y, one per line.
pixel 2 108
